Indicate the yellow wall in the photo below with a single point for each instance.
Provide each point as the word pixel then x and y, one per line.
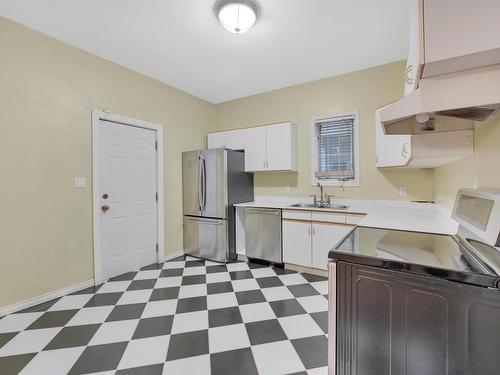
pixel 47 92
pixel 482 170
pixel 364 91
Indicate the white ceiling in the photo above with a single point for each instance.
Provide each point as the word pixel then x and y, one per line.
pixel 181 43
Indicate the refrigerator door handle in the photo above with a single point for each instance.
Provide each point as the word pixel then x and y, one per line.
pixel 200 185
pixel 204 171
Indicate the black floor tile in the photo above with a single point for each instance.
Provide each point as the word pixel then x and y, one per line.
pixel 171 272
pixel 99 358
pixel 142 284
pixel 224 317
pixel 194 263
pixel 89 290
pixel 154 266
pixel 313 351
pixel 70 337
pixel 164 293
pixel 125 312
pixel 265 331
pixel 254 265
pixel 194 279
pixel 104 299
pixel 191 304
pixel 321 318
pixel 157 326
pixel 144 370
pixel 12 365
pixel 240 275
pixel 287 307
pixel 269 282
pixel 282 271
pixel 188 344
pixel 303 290
pixel 217 268
pixel 6 337
pixel 39 308
pixel 250 296
pixel 222 287
pixel 124 277
pixel 313 278
pixel 53 319
pixel 239 362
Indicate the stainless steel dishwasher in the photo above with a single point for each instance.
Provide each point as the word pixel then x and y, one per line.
pixel 263 234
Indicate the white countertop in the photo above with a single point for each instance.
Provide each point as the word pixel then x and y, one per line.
pixel 401 215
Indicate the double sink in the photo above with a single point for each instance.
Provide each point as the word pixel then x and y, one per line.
pixel 327 206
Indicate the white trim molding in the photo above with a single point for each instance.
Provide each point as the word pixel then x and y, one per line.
pixel 18 306
pixel 314 151
pixel 102 115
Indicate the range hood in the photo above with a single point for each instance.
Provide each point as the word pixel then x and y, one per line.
pixel 448 102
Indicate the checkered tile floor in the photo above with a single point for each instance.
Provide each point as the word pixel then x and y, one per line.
pixel 186 316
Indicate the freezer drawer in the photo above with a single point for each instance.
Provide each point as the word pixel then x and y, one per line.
pixel 263 234
pixel 207 238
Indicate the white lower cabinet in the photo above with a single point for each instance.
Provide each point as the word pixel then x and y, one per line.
pixel 324 238
pixel 306 241
pixel 297 243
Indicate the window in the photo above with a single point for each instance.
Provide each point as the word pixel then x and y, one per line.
pixel 335 150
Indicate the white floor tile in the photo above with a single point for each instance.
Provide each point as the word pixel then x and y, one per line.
pixel 262 272
pixel 159 308
pixel 169 265
pixel 318 371
pixel 197 290
pixel 238 266
pixel 321 286
pixel 256 311
pixel 30 341
pixel 90 315
pixel 135 296
pixel 299 326
pixel 217 277
pixel 194 271
pixel 218 301
pixel 277 293
pixel 71 302
pixel 188 322
pixel 293 279
pixel 114 286
pixel 148 274
pixel 314 303
pixel 199 365
pixel 119 331
pixel 246 284
pixel 226 338
pixel 167 282
pixel 18 322
pixel 143 352
pixel 277 358
pixel 53 362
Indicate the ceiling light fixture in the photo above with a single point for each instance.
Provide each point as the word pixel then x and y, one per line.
pixel 237 16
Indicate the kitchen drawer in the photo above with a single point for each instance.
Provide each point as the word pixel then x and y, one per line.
pixel 331 217
pixel 354 219
pixel 297 215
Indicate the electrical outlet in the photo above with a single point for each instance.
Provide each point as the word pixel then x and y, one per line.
pixel 79 182
pixel 403 191
pixel 287 189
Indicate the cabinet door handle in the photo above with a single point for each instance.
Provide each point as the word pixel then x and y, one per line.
pixel 408 79
pixel 404 151
pixel 314 231
pixel 264 165
pixel 309 230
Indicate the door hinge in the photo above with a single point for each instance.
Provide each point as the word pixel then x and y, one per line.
pixel 156 145
pixel 156 196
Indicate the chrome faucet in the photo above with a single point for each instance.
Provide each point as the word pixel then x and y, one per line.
pixel 321 198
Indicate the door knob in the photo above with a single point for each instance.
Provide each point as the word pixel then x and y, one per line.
pixel 105 208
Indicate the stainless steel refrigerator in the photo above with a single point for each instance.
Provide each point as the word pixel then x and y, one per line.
pixel 212 182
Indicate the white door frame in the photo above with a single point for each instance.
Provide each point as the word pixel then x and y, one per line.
pixel 96 117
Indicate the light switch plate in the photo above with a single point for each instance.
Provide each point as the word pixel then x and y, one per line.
pixel 403 191
pixel 79 182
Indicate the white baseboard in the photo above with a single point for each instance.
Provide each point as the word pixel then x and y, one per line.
pixel 172 256
pixel 9 309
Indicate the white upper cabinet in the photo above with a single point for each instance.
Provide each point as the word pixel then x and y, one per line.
pixel 233 139
pixel 421 150
pixel 267 148
pixel 448 36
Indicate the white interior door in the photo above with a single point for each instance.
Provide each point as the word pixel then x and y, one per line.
pixel 128 210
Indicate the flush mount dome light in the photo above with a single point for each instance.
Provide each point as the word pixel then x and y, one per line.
pixel 237 16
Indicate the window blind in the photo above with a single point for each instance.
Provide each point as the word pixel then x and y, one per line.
pixel 335 145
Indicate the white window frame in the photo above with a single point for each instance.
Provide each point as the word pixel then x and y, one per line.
pixel 314 151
